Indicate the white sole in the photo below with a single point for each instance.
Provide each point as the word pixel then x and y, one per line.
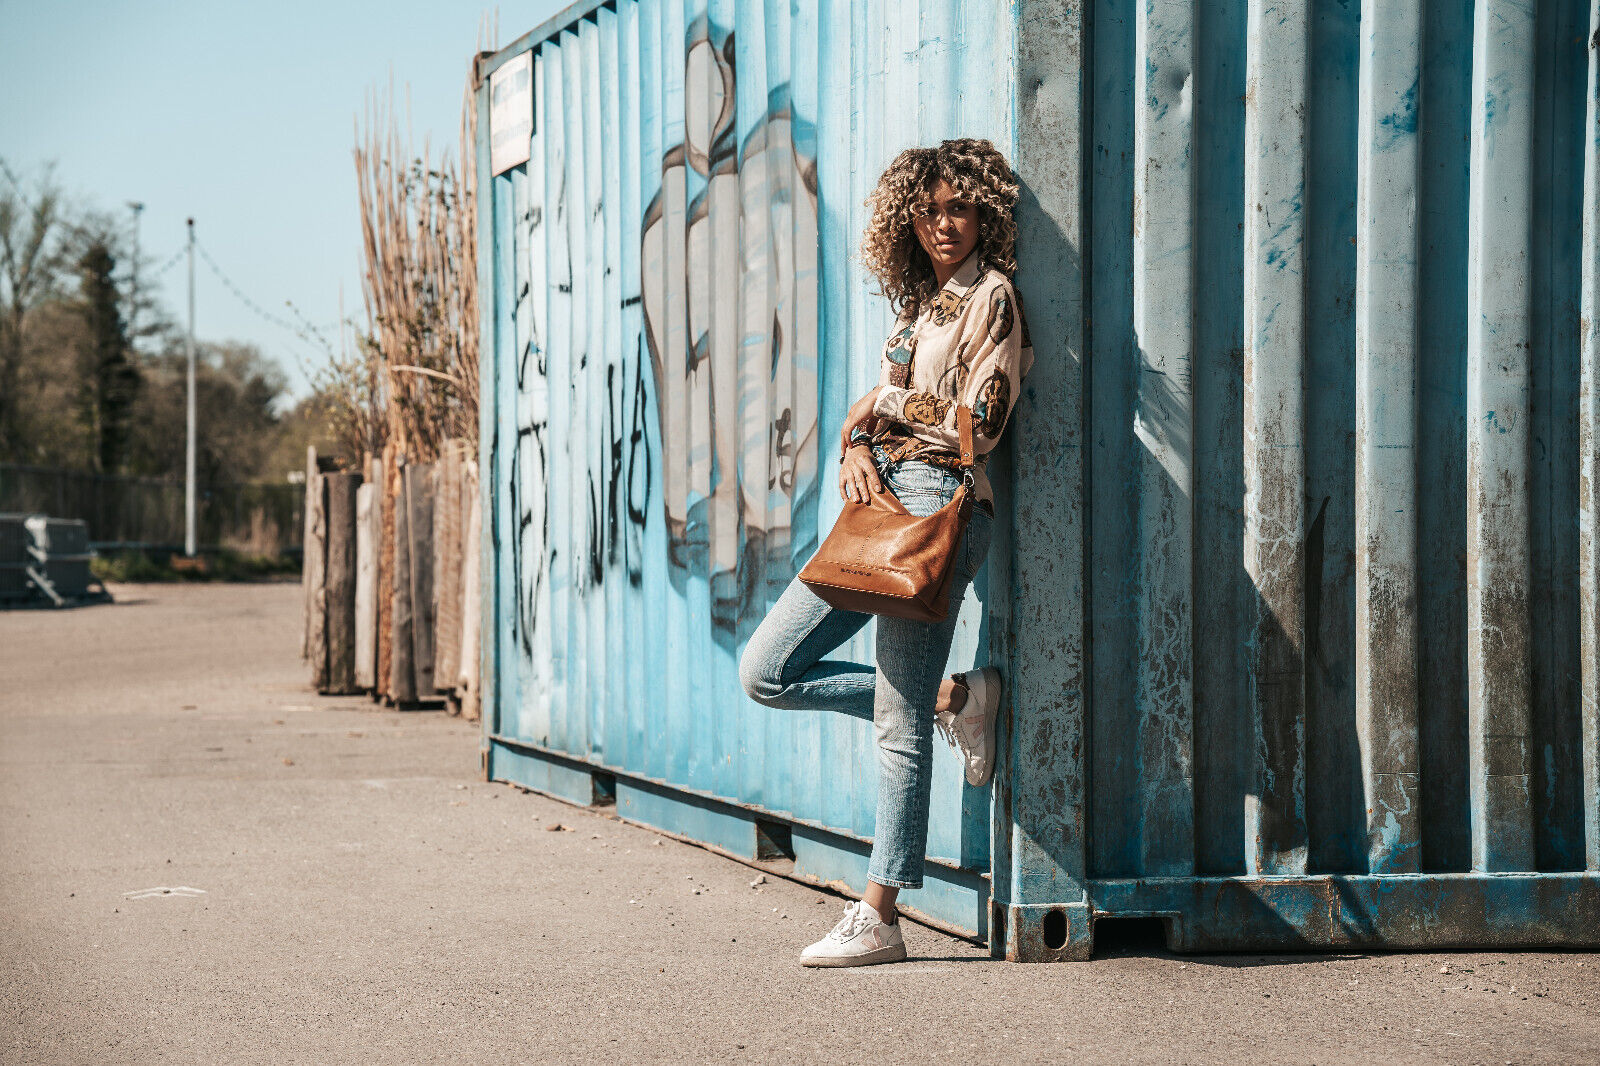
pixel 888 953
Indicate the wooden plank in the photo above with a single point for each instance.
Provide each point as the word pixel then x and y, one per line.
pixel 1163 424
pixel 402 676
pixel 447 567
pixel 308 578
pixel 1274 369
pixel 366 586
pixel 1386 435
pixel 467 683
pixel 316 563
pixel 340 602
pixel 1498 364
pixel 419 526
pixel 385 479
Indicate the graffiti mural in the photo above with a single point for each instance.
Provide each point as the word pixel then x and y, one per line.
pixel 659 465
pixel 730 314
pixel 664 427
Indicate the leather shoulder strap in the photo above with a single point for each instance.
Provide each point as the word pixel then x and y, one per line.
pixel 964 424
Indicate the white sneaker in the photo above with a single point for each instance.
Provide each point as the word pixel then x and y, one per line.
pixel 860 939
pixel 971 731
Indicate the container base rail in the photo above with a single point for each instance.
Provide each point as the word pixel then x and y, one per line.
pixel 1199 915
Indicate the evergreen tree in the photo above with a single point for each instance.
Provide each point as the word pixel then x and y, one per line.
pixel 110 378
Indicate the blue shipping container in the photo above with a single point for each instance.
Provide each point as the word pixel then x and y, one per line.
pixel 1296 579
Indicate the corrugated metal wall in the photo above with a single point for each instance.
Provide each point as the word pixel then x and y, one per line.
pixel 679 328
pixel 1374 348
pixel 1333 622
pixel 1297 597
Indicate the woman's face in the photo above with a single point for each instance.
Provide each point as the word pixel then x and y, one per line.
pixel 947 225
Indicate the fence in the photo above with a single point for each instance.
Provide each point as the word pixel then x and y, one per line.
pixel 256 518
pixel 391 589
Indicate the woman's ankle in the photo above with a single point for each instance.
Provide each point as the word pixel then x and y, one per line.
pixel 952 696
pixel 881 899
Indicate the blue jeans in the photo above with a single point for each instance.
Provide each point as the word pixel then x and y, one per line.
pixel 783 666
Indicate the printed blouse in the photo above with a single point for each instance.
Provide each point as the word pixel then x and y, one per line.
pixel 969 344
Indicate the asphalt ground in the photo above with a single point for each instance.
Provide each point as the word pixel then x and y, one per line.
pixel 205 862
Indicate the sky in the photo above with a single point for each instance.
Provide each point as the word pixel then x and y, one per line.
pixel 241 116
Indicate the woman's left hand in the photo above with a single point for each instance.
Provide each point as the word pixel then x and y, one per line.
pixel 860 414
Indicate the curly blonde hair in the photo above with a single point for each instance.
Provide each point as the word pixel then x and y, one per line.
pixel 889 247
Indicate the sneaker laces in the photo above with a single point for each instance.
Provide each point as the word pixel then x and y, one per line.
pixel 946 721
pixel 947 726
pixel 856 918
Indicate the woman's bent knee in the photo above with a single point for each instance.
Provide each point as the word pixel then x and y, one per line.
pixel 759 678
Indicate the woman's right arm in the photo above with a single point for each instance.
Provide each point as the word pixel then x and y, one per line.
pixel 859 416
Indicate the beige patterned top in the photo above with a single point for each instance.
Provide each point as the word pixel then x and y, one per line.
pixel 968 345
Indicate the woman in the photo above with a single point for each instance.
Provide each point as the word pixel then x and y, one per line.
pixel 941 242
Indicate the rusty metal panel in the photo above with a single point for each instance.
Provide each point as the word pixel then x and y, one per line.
pixel 1275 347
pixel 1296 598
pixel 1386 427
pixel 1041 816
pixel 1163 426
pixel 1499 262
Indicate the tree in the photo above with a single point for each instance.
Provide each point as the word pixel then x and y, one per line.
pixel 237 391
pixel 30 252
pixel 108 378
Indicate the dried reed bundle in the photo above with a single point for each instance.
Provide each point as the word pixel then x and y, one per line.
pixel 420 283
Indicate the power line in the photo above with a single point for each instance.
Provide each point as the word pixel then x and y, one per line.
pixel 304 330
pixel 171 262
pixel 260 312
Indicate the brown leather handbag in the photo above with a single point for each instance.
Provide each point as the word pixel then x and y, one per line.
pixel 881 559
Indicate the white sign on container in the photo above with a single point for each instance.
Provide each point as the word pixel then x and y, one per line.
pixel 510 113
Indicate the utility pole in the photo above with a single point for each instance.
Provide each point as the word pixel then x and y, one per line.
pixel 188 455
pixel 137 207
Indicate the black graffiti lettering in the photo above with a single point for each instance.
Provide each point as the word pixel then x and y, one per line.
pixel 638 447
pixel 597 563
pixel 613 430
pixel 783 452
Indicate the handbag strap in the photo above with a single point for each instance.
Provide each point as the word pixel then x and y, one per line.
pixel 964 424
